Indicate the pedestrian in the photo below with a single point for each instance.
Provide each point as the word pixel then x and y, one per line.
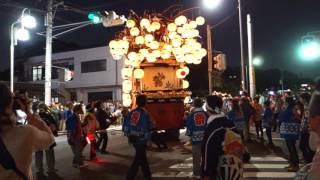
pixel 304 135
pixel 196 125
pixel 314 140
pixel 46 117
pixel 90 125
pixel 76 140
pixel 236 116
pixel 267 121
pixel 222 148
pixel 137 127
pixel 289 131
pixel 17 143
pixel 104 120
pixel 257 117
pixel 248 111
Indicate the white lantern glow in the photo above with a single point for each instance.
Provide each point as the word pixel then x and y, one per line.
pixel 151 58
pixel 180 20
pixel 131 23
pixel 139 40
pixel 154 45
pixel 134 31
pixel 185 84
pixel 144 52
pixel 138 73
pixel 126 86
pixel 156 53
pixel 156 25
pixel 132 56
pixel 148 38
pixel 172 35
pixel 176 42
pixel 186 69
pixel 193 24
pixel 200 20
pixel 172 27
pixel 126 73
pixel 144 23
pixel 181 73
pixel 167 47
pixel 165 54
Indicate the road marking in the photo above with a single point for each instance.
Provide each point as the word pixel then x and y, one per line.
pixel 275 175
pixel 167 174
pixel 268 158
pixel 265 166
pixel 182 166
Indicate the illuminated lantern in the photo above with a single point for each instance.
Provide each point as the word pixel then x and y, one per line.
pixel 180 30
pixel 112 44
pixel 148 38
pixel 134 31
pixel 131 23
pixel 172 35
pixel 189 58
pixel 154 45
pixel 151 58
pixel 127 62
pixel 190 41
pixel 167 47
pixel 195 33
pixel 132 56
pixel 185 84
pixel 180 20
pixel 176 42
pixel 156 53
pixel 203 52
pixel 126 73
pixel 172 27
pixel 126 96
pixel 186 69
pixel 144 23
pixel 186 26
pixel 126 86
pixel 140 57
pixel 181 73
pixel 193 24
pixel 196 45
pixel 165 54
pixel 138 73
pixel 200 20
pixel 144 52
pixel 180 58
pixel 187 99
pixel 155 25
pixel 139 40
pixel 197 61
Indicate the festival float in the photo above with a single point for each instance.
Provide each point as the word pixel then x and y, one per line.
pixel 156 52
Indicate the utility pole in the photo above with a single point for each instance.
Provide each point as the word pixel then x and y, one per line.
pixel 243 79
pixel 48 59
pixel 252 80
pixel 209 44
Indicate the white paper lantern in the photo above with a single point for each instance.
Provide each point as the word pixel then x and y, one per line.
pixel 126 86
pixel 185 84
pixel 126 73
pixel 138 73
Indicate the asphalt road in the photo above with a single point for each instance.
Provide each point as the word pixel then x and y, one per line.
pixel 175 163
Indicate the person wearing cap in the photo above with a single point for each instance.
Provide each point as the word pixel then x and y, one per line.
pixel 137 127
pixel 196 125
pixel 212 145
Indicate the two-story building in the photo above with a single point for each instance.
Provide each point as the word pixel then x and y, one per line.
pixel 96 76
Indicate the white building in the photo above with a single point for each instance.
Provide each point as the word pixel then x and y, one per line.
pixel 96 75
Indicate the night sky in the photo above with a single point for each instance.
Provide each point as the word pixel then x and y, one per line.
pixel 278 26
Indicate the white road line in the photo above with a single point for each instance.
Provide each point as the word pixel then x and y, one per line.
pixel 265 166
pixel 184 174
pixel 181 166
pixel 276 175
pixel 268 158
pixel 164 174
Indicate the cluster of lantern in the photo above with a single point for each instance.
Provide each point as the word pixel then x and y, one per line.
pixel 152 39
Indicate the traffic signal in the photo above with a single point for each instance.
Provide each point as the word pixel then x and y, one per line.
pixel 310 48
pixel 95 17
pixel 68 75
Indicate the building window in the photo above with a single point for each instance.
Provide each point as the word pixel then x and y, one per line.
pixel 94 66
pixel 95 96
pixel 37 73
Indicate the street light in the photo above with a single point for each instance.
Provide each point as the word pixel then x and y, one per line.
pixel 257 61
pixel 22 34
pixel 215 3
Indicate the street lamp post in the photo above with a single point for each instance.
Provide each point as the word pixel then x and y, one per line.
pixel 214 4
pixel 19 34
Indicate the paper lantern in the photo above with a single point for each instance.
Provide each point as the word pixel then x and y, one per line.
pixel 180 20
pixel 132 56
pixel 193 24
pixel 167 47
pixel 197 61
pixel 172 35
pixel 165 54
pixel 138 73
pixel 176 42
pixel 148 38
pixel 151 58
pixel 200 20
pixel 155 25
pixel 186 69
pixel 172 27
pixel 139 40
pixel 134 31
pixel 203 52
pixel 131 23
pixel 185 84
pixel 126 73
pixel 126 86
pixel 144 52
pixel 189 58
pixel 126 96
pixel 156 53
pixel 144 22
pixel 154 45
pixel 180 73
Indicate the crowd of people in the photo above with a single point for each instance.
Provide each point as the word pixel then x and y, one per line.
pixel 219 129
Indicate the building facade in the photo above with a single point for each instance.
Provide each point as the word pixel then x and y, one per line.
pixel 96 76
